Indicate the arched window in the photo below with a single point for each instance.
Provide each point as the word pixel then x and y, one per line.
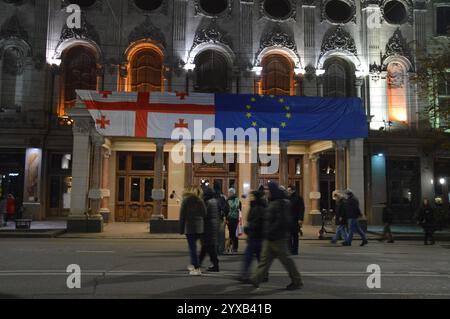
pixel 397 92
pixel 338 79
pixel 80 73
pixel 212 72
pixel 12 69
pixel 278 75
pixel 146 71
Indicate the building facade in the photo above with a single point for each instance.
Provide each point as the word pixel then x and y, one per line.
pixel 52 159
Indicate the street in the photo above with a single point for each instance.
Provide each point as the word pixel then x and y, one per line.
pixel 36 268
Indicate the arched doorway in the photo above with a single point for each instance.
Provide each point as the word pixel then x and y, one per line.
pixel 212 72
pixel 145 70
pixel 277 75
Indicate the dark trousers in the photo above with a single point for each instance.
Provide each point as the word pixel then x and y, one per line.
pixel 293 242
pixel 232 227
pixel 429 231
pixel 272 250
pixel 211 250
pixel 253 250
pixel 192 243
pixel 221 238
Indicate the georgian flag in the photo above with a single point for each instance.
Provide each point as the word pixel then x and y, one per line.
pixel 152 115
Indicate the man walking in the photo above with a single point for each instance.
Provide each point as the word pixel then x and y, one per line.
pixel 224 209
pixel 297 216
pixel 275 232
pixel 341 218
pixel 353 213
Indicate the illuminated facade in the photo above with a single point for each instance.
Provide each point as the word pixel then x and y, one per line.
pixel 329 48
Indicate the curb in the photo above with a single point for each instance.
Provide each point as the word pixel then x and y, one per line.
pixel 32 233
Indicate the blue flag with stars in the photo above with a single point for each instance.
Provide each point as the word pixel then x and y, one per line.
pixel 296 117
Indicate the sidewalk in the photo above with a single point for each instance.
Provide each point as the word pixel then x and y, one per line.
pixel 39 229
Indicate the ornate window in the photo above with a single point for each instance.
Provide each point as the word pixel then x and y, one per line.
pixel 146 71
pixel 148 5
pixel 212 72
pixel 397 92
pixel 395 12
pixel 277 9
pixel 338 11
pixel 443 20
pixel 277 75
pixel 338 78
pixel 212 7
pixel 80 73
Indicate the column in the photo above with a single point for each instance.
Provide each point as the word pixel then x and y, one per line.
pixel 340 149
pixel 320 91
pixel 284 169
pixel 355 170
pixel 95 194
pixel 158 193
pixel 104 208
pixel 314 196
pixel 358 87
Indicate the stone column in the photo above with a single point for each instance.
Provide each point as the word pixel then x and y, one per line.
pixel 355 170
pixel 104 208
pixel 158 193
pixel 314 159
pixel 284 168
pixel 340 149
pixel 95 194
pixel 320 91
pixel 358 86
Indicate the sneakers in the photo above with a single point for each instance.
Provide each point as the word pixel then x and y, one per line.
pixel 295 286
pixel 365 242
pixel 190 267
pixel 195 272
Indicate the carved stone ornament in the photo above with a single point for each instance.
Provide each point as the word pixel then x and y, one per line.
pixel 147 30
pixel 211 34
pixel 82 126
pixel 12 29
pixel 397 46
pixel 276 38
pixel 338 39
pixel 86 32
pixel 396 75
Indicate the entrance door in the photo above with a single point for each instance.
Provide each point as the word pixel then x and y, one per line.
pixel 135 180
pixel 60 188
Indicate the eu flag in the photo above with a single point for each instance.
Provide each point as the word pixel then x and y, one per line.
pixel 296 117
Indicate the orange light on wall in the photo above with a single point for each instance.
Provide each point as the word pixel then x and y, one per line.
pixel 397 93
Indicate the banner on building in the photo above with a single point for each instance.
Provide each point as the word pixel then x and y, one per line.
pixel 157 114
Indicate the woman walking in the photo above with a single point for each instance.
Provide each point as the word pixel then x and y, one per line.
pixel 211 234
pixel 192 220
pixel 233 217
pixel 426 219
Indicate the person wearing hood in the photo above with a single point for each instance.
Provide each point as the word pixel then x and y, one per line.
pixel 224 209
pixel 254 231
pixel 211 231
pixel 192 216
pixel 276 230
pixel 233 217
pixel 297 216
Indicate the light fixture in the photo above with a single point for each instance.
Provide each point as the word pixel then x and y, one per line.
pixel 380 154
pixel 442 181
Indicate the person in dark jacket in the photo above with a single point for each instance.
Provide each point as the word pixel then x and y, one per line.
pixel 224 209
pixel 297 217
pixel 425 218
pixel 353 213
pixel 388 218
pixel 211 234
pixel 253 230
pixel 340 218
pixel 192 216
pixel 276 230
pixel 233 217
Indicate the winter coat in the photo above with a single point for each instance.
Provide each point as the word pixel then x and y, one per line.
pixel 222 205
pixel 341 216
pixel 277 223
pixel 255 219
pixel 211 234
pixel 192 215
pixel 297 210
pixel 351 206
pixel 425 217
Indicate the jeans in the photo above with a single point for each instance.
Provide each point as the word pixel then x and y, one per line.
pixel 232 227
pixel 272 250
pixel 253 249
pixel 341 233
pixel 293 242
pixel 353 226
pixel 192 242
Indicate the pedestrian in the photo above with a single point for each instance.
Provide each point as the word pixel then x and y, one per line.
pixel 211 231
pixel 233 218
pixel 425 218
pixel 254 231
pixel 192 221
pixel 224 209
pixel 276 230
pixel 388 218
pixel 3 210
pixel 297 216
pixel 353 213
pixel 340 217
pixel 10 207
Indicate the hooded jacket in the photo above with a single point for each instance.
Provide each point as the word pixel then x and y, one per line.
pixel 211 233
pixel 256 215
pixel 277 221
pixel 192 215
